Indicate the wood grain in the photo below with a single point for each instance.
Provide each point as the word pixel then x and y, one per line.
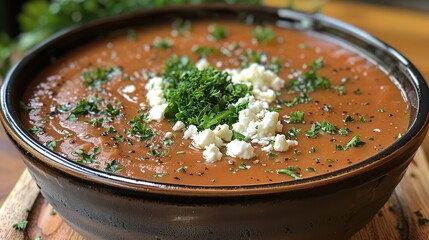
pixel 18 206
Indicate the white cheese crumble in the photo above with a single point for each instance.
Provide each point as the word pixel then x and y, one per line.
pixel 240 149
pixel 212 153
pixel 205 138
pixel 157 113
pixel 202 64
pixel 281 144
pixel 223 132
pixel 169 135
pixel 179 125
pixel 190 132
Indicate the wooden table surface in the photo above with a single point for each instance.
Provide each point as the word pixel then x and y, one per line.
pixel 405 30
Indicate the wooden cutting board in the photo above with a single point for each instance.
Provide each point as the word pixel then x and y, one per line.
pixel 396 220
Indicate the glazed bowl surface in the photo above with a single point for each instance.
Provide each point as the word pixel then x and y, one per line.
pixel 335 205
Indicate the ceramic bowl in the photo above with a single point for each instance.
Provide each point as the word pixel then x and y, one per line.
pixel 99 205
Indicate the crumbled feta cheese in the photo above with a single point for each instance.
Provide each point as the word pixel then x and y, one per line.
pixel 155 97
pixel 178 126
pixel 268 125
pixel 202 64
pixel 267 148
pixel 129 89
pixel 190 131
pixel 168 135
pixel 212 154
pixel 281 144
pixel 205 138
pixel 240 149
pixel 268 95
pixel 157 113
pixel 260 78
pixel 223 132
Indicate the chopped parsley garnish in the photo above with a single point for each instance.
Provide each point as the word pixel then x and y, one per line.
pixel 217 33
pixel 344 131
pixel 87 157
pixel 291 171
pixel 203 51
pixel 201 97
pixel 362 119
pixel 20 226
pixel 357 91
pixel 310 169
pixel 182 25
pixel 355 142
pixel 420 218
pixel 139 127
pixel 341 90
pixel 111 110
pixel 294 131
pixel 339 147
pixel 317 64
pixel 310 81
pixel 52 212
pixel 348 118
pixel 156 153
pixel 275 65
pixel 96 122
pixel 381 110
pixel 83 107
pixel 52 144
pixel 272 156
pixel 263 34
pixel 113 167
pixel 239 136
pixel 25 107
pixel 163 43
pixel 313 132
pixel 312 150
pixel 94 78
pixel 181 169
pixel 296 117
pixel 131 35
pixel 36 130
pixel 328 128
pixel 159 175
pixel 297 100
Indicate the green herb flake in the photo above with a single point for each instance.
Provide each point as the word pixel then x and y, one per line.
pixel 290 171
pixel 163 43
pixel 182 25
pixel 328 128
pixel 357 92
pixel 203 52
pixel 87 157
pixel 312 150
pixel 294 131
pixel 362 119
pixel 20 226
pixel 159 175
pixel 354 142
pixel 263 35
pixel 344 131
pixel 420 218
pixel 52 212
pixel 156 153
pixel 339 147
pixel 131 35
pixel 348 118
pixel 181 169
pixel 313 132
pixel 310 169
pixel 371 138
pixel 25 107
pixel 181 152
pixel 217 33
pixel 381 110
pixel 297 117
pixel 139 127
pixel 37 130
pixel 272 156
pixel 113 167
pixel 95 77
pixel 239 136
pixel 52 144
pixel 341 90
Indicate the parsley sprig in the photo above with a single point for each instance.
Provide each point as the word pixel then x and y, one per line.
pixel 201 97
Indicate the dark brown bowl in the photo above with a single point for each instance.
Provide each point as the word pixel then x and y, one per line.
pixel 99 205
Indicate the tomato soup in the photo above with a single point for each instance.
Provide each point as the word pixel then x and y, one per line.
pixel 215 103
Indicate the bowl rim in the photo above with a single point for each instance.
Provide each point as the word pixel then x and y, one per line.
pixel 11 120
